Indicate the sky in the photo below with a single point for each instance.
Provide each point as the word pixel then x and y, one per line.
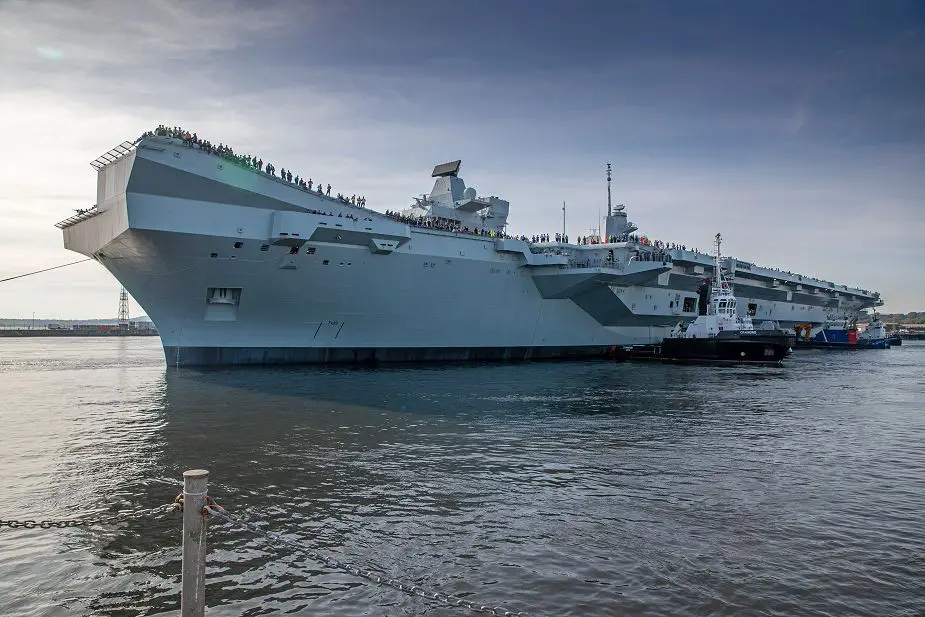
pixel 796 129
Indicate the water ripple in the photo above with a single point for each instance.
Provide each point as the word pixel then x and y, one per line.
pixel 560 489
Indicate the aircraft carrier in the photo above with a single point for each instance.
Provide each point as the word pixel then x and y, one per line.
pixel 235 265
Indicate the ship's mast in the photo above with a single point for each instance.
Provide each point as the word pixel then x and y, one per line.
pixel 563 221
pixel 718 283
pixel 609 213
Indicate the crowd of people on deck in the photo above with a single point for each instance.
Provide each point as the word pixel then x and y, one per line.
pixel 660 254
pixel 656 255
pixel 584 240
pixel 449 225
pixel 192 140
pixel 643 240
pixel 542 238
pixel 339 215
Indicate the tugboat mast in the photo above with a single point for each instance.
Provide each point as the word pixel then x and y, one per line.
pixel 720 287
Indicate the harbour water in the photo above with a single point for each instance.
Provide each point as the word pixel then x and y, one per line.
pixel 554 488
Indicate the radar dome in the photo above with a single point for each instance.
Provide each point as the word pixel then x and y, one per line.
pixel 469 193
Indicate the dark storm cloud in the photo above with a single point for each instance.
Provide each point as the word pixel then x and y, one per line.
pixel 733 73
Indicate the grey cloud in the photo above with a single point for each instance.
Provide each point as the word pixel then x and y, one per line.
pixel 796 161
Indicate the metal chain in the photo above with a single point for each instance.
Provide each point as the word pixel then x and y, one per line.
pixel 369 575
pixel 108 519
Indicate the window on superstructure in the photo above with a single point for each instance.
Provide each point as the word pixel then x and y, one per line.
pixel 238 244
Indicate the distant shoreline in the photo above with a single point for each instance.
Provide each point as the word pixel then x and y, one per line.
pixel 42 332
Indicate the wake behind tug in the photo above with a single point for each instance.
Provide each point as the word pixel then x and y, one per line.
pixel 720 336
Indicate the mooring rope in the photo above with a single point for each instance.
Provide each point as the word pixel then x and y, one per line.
pixel 19 276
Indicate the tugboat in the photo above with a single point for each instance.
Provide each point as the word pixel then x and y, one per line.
pixel 721 336
pixel 836 336
pixel 875 336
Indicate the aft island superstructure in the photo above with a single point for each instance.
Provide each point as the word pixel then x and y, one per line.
pixel 238 266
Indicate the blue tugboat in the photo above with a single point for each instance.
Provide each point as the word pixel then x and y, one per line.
pixel 835 336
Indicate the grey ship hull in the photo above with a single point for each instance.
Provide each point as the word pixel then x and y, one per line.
pixel 177 226
pixel 236 267
pixel 343 304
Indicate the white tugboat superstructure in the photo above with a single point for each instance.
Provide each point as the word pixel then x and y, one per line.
pixel 722 314
pixel 874 332
pixel 722 334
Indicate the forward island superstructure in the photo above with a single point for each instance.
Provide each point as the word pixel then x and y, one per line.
pixel 238 266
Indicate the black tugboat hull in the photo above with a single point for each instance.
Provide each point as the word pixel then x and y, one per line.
pixel 770 349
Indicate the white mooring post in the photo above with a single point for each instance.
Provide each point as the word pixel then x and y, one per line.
pixel 193 591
